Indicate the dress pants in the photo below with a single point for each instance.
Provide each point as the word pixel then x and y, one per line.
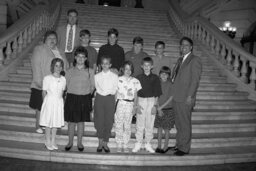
pixel 104 109
pixel 145 121
pixel 182 113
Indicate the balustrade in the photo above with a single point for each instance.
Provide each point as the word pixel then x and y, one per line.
pixel 240 63
pixel 21 33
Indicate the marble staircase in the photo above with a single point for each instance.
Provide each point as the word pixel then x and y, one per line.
pixel 223 121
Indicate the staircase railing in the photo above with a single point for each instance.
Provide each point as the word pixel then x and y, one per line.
pixel 231 55
pixel 17 37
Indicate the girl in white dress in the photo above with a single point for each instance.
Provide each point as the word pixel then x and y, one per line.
pixel 52 112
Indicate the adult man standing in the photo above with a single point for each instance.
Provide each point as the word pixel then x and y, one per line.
pixel 69 35
pixel 185 78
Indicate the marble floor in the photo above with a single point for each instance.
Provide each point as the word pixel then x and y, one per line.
pixel 10 164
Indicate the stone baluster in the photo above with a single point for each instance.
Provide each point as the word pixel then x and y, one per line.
pixel 8 53
pixel 1 57
pixel 195 31
pixel 243 70
pixel 253 75
pixel 33 30
pixel 20 42
pixel 37 26
pixel 223 54
pixel 25 37
pixel 217 48
pixel 15 48
pixel 207 38
pixel 203 36
pixel 191 30
pixel 29 33
pixel 229 59
pixel 199 32
pixel 236 65
pixel 212 44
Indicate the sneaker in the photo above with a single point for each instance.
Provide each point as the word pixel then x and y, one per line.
pixel 149 148
pixel 39 131
pixel 126 149
pixel 136 148
pixel 119 148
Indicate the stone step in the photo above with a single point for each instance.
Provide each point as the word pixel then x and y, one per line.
pixel 37 151
pixel 202 141
pixel 201 95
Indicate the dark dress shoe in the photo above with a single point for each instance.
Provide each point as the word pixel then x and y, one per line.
pixel 180 153
pixel 106 149
pixel 165 151
pixel 67 148
pixel 99 149
pixel 173 148
pixel 80 149
pixel 159 150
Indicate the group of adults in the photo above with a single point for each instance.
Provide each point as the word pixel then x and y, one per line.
pixel 62 42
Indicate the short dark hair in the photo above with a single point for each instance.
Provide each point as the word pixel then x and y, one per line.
pixel 105 57
pixel 72 11
pixel 81 50
pixel 85 32
pixel 48 33
pixel 148 60
pixel 166 70
pixel 159 43
pixel 53 63
pixel 187 39
pixel 138 40
pixel 113 31
pixel 123 67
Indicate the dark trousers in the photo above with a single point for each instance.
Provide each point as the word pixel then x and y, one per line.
pixel 104 110
pixel 70 57
pixel 182 113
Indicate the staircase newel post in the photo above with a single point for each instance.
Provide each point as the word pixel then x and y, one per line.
pixel 236 65
pixel 14 47
pixel 1 57
pixel 212 44
pixel 253 75
pixel 243 70
pixel 223 54
pixel 25 38
pixel 229 59
pixel 20 42
pixel 29 33
pixel 8 53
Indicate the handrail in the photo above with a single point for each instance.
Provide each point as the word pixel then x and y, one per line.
pixel 235 59
pixel 16 38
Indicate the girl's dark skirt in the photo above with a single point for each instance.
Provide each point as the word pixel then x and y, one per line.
pixel 166 121
pixel 77 108
pixel 36 99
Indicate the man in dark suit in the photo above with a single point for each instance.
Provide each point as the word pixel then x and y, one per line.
pixel 68 35
pixel 185 78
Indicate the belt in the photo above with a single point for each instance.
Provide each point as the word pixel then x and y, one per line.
pixel 127 100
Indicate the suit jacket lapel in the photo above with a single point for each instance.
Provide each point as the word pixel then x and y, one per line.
pixel 187 60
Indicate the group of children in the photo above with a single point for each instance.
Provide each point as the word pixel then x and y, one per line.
pixel 117 99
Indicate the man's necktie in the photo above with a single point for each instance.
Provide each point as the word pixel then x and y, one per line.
pixel 176 69
pixel 70 39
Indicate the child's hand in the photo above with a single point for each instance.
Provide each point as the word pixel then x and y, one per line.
pixel 160 112
pixel 138 109
pixel 153 110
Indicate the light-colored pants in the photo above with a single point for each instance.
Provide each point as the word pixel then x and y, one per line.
pixel 123 119
pixel 145 121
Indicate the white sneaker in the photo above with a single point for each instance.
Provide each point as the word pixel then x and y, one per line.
pixel 39 131
pixel 149 148
pixel 136 148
